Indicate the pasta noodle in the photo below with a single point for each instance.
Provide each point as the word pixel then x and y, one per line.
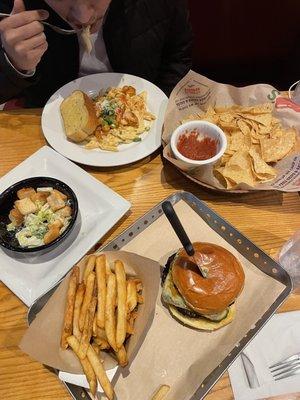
pixel 123 117
pixel 86 38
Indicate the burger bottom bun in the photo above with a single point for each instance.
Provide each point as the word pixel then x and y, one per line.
pixel 202 323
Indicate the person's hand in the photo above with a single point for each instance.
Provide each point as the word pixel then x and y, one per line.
pixel 23 38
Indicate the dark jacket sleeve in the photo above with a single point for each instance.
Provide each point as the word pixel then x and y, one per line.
pixel 177 53
pixel 11 83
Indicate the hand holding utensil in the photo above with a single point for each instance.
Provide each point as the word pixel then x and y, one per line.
pixel 54 27
pixel 22 36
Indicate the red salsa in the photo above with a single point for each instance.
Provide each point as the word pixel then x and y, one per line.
pixel 191 146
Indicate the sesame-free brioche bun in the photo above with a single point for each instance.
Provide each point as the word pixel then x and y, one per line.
pixel 224 281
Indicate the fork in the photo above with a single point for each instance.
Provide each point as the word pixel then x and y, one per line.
pixel 288 367
pixel 55 28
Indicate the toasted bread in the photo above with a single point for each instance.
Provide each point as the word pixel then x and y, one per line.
pixel 79 116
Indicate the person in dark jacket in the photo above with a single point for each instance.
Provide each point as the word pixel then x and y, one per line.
pixel 147 38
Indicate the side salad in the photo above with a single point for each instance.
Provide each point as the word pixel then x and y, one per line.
pixel 39 216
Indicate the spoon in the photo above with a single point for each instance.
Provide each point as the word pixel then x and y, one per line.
pixel 55 28
pixel 181 233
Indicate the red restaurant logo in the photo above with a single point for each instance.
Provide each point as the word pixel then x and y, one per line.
pixel 192 89
pixel 192 93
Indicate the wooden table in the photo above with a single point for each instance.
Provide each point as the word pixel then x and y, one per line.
pixel 268 219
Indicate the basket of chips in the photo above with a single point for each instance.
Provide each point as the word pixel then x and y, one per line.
pixel 263 151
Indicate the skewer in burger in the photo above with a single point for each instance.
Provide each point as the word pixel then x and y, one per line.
pixel 205 303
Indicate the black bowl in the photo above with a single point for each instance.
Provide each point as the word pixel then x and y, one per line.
pixel 9 196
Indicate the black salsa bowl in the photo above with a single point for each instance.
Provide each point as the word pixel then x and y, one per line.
pixel 9 196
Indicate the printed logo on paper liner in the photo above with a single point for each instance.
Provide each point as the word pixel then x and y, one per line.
pixel 192 93
pixel 290 180
pixel 282 102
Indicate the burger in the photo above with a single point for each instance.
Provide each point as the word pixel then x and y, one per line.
pixel 203 300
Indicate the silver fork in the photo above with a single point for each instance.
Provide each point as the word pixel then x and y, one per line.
pixel 55 28
pixel 288 367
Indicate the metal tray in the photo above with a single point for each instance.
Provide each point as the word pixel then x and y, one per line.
pixel 240 242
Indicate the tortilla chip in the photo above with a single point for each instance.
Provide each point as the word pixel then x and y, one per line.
pixel 260 168
pixel 244 127
pixel 226 117
pixel 214 119
pixel 210 111
pixel 274 149
pixel 227 126
pixel 239 141
pixel 264 119
pixel 259 109
pixel 238 175
pixel 238 169
pixel 227 183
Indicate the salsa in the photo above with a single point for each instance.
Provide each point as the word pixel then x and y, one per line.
pixel 191 146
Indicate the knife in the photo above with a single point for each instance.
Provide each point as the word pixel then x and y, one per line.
pixel 249 371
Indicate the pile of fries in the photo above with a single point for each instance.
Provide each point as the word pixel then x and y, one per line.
pixel 99 315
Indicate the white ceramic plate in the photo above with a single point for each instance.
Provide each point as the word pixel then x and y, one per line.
pixel 29 276
pixel 54 131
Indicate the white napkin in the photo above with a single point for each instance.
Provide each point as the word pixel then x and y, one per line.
pixel 80 380
pixel 279 339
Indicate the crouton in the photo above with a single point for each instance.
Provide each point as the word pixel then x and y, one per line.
pixel 51 235
pixel 60 194
pixel 64 212
pixel 25 206
pixel 55 201
pixel 40 196
pixel 48 189
pixel 56 224
pixel 16 217
pixel 25 192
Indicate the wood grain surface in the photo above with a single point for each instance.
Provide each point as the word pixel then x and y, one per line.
pixel 267 218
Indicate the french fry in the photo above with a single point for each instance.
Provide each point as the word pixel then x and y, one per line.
pixel 107 267
pixel 122 356
pixel 139 285
pixel 130 322
pixel 161 392
pixel 102 343
pixel 77 306
pixel 87 299
pixel 101 333
pixel 90 266
pixel 121 303
pixel 69 310
pixel 87 329
pixel 140 298
pixel 131 301
pixel 96 347
pixel 101 287
pixel 95 328
pixel 100 373
pixel 129 328
pixel 86 366
pixel 110 304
